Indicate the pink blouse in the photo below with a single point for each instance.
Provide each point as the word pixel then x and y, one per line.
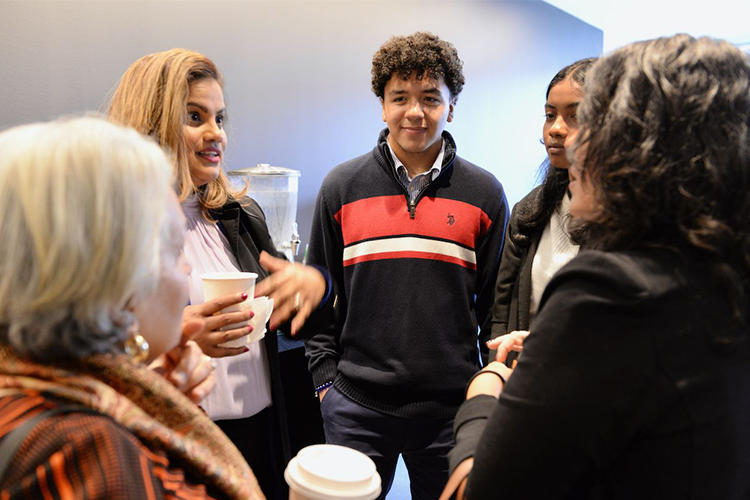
pixel 243 382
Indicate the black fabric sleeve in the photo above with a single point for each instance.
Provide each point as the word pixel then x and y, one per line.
pixel 468 426
pixel 507 276
pixel 322 316
pixel 488 260
pixel 326 250
pixel 566 410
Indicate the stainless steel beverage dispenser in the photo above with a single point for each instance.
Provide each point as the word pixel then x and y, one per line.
pixel 275 189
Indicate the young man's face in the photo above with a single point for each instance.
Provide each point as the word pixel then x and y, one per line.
pixel 416 111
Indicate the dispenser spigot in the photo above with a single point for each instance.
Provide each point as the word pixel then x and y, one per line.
pixel 295 239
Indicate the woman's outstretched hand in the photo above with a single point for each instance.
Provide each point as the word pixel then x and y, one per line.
pixel 295 288
pixel 504 344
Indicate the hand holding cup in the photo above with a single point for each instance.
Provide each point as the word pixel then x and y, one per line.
pixel 213 335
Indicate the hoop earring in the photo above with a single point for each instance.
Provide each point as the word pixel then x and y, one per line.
pixel 135 346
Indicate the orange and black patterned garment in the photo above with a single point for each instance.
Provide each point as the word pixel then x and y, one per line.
pixel 142 439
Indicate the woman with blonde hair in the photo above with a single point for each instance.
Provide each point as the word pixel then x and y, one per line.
pixel 92 280
pixel 177 97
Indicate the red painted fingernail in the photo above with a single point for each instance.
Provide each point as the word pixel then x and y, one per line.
pixel 249 328
pixel 246 348
pixel 251 315
pixel 244 296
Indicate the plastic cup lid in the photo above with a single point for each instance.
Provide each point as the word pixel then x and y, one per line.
pixel 331 472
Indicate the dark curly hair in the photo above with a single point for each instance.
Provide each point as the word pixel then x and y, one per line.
pixel 666 124
pixel 555 180
pixel 420 52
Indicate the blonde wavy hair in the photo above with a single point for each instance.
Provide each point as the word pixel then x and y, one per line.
pixel 83 204
pixel 152 97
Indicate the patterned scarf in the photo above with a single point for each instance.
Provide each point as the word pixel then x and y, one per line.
pixel 146 404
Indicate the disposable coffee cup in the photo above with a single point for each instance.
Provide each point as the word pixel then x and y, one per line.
pixel 217 285
pixel 332 472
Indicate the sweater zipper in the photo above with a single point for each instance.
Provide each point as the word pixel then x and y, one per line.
pixel 412 205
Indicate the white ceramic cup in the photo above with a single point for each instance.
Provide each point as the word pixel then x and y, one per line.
pixel 332 472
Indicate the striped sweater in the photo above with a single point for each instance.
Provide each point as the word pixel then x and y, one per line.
pixel 414 281
pixel 80 455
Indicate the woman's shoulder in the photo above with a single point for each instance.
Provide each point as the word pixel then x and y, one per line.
pixel 70 433
pixel 529 202
pixel 522 211
pixel 84 449
pixel 244 204
pixel 638 273
pixel 61 423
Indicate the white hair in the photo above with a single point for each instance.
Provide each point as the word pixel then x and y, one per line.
pixel 82 204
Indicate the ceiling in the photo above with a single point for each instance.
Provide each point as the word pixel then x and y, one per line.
pixel 627 21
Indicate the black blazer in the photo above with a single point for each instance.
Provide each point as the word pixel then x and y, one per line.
pixel 246 229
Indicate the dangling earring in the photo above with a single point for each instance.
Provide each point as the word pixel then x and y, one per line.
pixel 136 347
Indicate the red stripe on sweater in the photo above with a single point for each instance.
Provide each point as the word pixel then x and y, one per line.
pixel 441 218
pixel 409 255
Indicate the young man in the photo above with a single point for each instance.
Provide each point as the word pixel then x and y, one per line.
pixel 411 234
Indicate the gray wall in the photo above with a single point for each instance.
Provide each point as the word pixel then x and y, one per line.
pixel 298 73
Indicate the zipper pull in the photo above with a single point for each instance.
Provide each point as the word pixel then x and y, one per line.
pixel 412 209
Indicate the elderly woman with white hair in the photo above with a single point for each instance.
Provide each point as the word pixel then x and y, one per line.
pixel 91 273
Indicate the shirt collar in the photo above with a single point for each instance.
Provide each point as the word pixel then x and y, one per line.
pixel 434 170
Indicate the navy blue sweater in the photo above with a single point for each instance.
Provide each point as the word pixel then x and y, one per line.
pixel 414 283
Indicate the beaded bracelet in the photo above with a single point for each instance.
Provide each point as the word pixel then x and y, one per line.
pixel 482 372
pixel 323 387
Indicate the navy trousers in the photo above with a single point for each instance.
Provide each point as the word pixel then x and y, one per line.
pixel 423 443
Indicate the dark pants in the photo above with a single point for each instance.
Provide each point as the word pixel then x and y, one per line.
pixel 255 438
pixel 423 443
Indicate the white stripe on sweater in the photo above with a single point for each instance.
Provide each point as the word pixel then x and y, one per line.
pixel 410 244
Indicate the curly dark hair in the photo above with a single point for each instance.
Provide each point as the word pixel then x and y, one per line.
pixel 420 52
pixel 666 124
pixel 555 180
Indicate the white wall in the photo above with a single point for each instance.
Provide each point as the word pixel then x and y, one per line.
pixel 634 20
pixel 298 73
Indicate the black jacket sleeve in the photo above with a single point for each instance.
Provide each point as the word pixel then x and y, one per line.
pixel 326 250
pixel 488 260
pixel 507 276
pixel 244 224
pixel 562 413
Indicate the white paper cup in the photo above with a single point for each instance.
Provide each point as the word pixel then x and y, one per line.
pixel 332 472
pixel 217 285
pixel 262 307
